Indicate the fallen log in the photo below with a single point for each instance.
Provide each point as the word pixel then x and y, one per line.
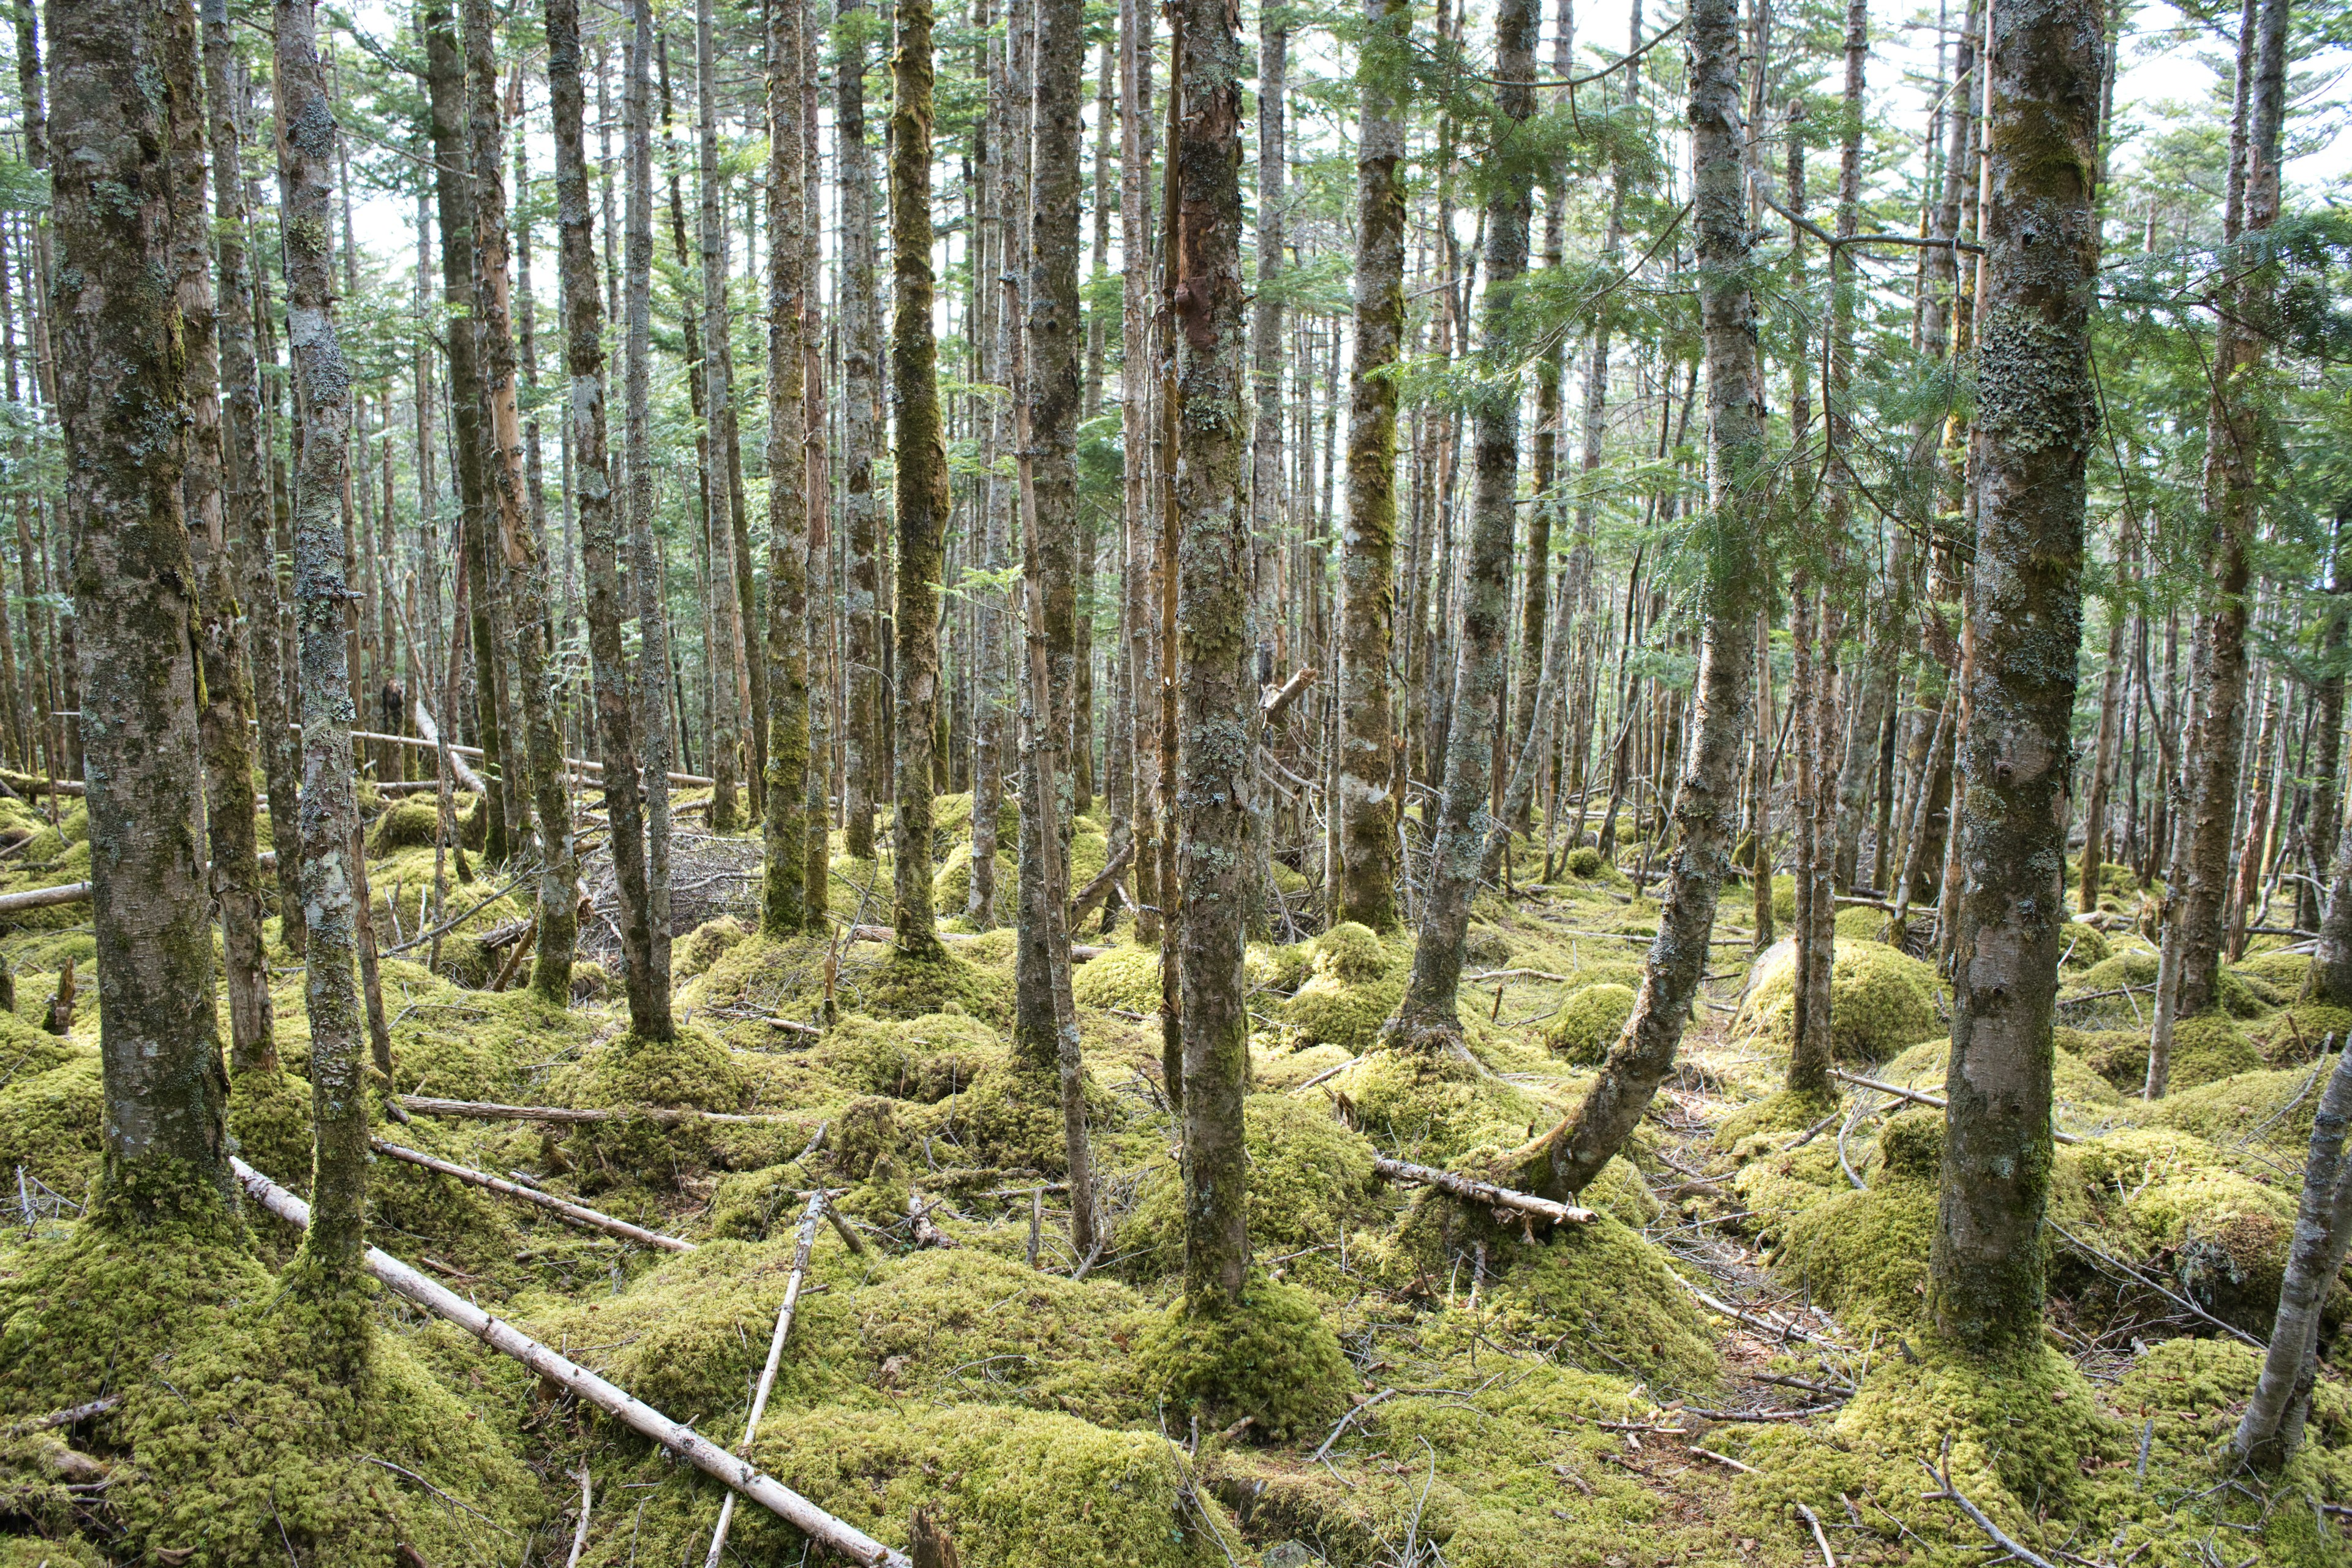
pixel 1095 892
pixel 661 1115
pixel 675 1437
pixel 1472 1190
pixel 76 892
pixel 1933 1102
pixel 579 1214
pixel 27 785
pixel 885 935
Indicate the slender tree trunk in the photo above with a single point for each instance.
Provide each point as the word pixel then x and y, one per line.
pixel 730 633
pixel 1367 803
pixel 2110 736
pixel 2271 1430
pixel 654 677
pixel 854 169
pixel 2035 415
pixel 921 479
pixel 1427 1020
pixel 1138 437
pixel 332 1246
pixel 121 378
pixel 783 905
pixel 1568 1157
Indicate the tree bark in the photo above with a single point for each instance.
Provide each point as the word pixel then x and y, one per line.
pixel 922 480
pixel 645 560
pixel 124 391
pixel 1367 802
pixel 1427 1019
pixel 1212 648
pixel 731 637
pixel 330 998
pixel 784 903
pixel 1137 438
pixel 854 168
pixel 2035 419
pixel 1565 1161
pixel 2272 1426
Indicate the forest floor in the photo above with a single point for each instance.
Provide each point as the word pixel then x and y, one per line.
pixel 1727 1366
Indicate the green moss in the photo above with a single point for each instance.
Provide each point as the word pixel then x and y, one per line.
pixel 2277 1105
pixel 2205 1050
pixel 1281 968
pixel 2296 1032
pixel 1584 862
pixel 693 1070
pixel 409 823
pixel 904 987
pixel 1330 1011
pixel 1613 1304
pixel 925 1058
pixel 1437 1110
pixel 1310 1178
pixel 1863 1255
pixel 2083 946
pixel 1268 1355
pixel 270 1116
pixel 2283 974
pixel 1013 1117
pixel 2132 966
pixel 1881 1000
pixel 1286 879
pixel 1589 1022
pixel 1352 953
pixel 53 1124
pixel 2082 1095
pixel 951 883
pixel 1784 1113
pixel 1127 977
pixel 1860 922
pixel 704 944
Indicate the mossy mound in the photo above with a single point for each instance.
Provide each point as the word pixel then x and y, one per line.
pixel 1330 1011
pixel 411 823
pixel 1267 966
pixel 1268 1355
pixel 2298 1031
pixel 270 1116
pixel 1860 922
pixel 1584 862
pixel 951 883
pixel 1310 1178
pixel 2281 974
pixel 1437 1110
pixel 1881 1000
pixel 2083 1098
pixel 1589 1022
pixel 705 944
pixel 1352 953
pixel 691 1071
pixel 1127 977
pixel 1779 1116
pixel 1011 1116
pixel 951 821
pixel 1614 1305
pixel 2276 1106
pixel 925 1058
pixel 1864 1254
pixel 904 987
pixel 53 1123
pixel 2132 966
pixel 2083 947
pixel 2205 1050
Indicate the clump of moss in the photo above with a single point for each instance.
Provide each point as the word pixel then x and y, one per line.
pixel 2277 977
pixel 1127 977
pixel 1267 966
pixel 1784 1111
pixel 1011 1116
pixel 1589 1022
pixel 2082 946
pixel 1436 1108
pixel 2078 1089
pixel 1881 1000
pixel 704 944
pixel 1584 862
pixel 1268 1355
pixel 2297 1031
pixel 1310 1178
pixel 951 883
pixel 1860 922
pixel 53 1122
pixel 270 1116
pixel 2205 1050
pixel 408 823
pixel 2277 1104
pixel 1330 1011
pixel 925 1058
pixel 1352 953
pixel 865 1133
pixel 1864 1254
pixel 1609 1299
pixel 904 988
pixel 691 1071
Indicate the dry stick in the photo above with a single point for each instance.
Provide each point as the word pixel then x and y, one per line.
pixel 1941 1474
pixel 675 1437
pixel 72 1416
pixel 1475 1191
pixel 1932 1102
pixel 593 1219
pixel 1346 1420
pixel 580 1534
pixel 883 934
pixel 1725 1460
pixel 2139 1276
pixel 662 1115
pixel 1820 1537
pixel 1326 1072
pixel 801 1249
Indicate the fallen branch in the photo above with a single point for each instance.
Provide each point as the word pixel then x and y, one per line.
pixel 661 1115
pixel 580 1532
pixel 1345 1421
pixel 578 1213
pixel 884 935
pixel 675 1437
pixel 1725 1460
pixel 1941 1474
pixel 801 1250
pixel 2139 1276
pixel 1821 1536
pixel 1932 1102
pixel 1096 890
pixel 1326 1072
pixel 1474 1191
pixel 1761 1415
pixel 72 1416
pixel 78 892
pixel 791 1028
pixel 1741 1315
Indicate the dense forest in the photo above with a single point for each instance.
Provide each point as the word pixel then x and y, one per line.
pixel 1051 784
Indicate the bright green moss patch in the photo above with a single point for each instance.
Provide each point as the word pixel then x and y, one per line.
pixel 1860 922
pixel 1784 1112
pixel 704 944
pixel 410 822
pixel 1011 1116
pixel 1330 1011
pixel 1310 1177
pixel 1433 1109
pixel 1863 1255
pixel 1268 1355
pixel 2082 946
pixel 1589 1022
pixel 53 1124
pixel 270 1118
pixel 1352 953
pixel 926 1058
pixel 903 987
pixel 693 1070
pixel 1881 1000
pixel 951 883
pixel 2205 1050
pixel 1127 977
pixel 1584 862
pixel 2277 1105
pixel 1613 1304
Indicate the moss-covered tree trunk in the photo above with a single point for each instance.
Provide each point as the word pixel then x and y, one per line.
pixel 123 400
pixel 1046 1031
pixel 1141 614
pixel 592 489
pixel 1564 1161
pixel 221 501
pixel 1427 1018
pixel 2326 757
pixel 1216 693
pixel 854 168
pixel 518 559
pixel 2035 417
pixel 783 901
pixel 1367 803
pixel 654 675
pixel 728 634
pixel 921 481
pixel 307 138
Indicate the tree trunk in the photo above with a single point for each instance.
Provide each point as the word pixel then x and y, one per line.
pixel 2271 1427
pixel 922 480
pixel 2035 418
pixel 1566 1159
pixel 655 674
pixel 728 634
pixel 1427 1019
pixel 784 903
pixel 1367 802
pixel 330 998
pixel 121 378
pixel 592 489
pixel 1137 438
pixel 1212 652
pixel 854 168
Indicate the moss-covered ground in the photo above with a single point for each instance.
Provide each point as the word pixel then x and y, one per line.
pixel 1404 1379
